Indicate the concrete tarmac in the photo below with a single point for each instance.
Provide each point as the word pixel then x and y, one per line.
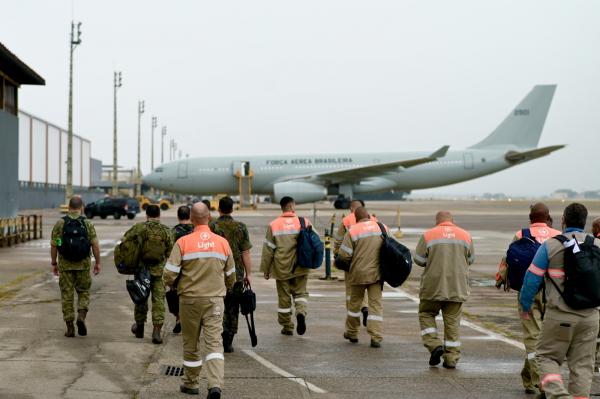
pixel 37 361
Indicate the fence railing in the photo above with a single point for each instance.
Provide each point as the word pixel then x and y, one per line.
pixel 20 229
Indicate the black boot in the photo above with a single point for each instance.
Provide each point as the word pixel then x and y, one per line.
pixel 189 391
pixel 81 328
pixel 436 356
pixel 70 333
pixel 156 338
pixel 214 393
pixel 138 330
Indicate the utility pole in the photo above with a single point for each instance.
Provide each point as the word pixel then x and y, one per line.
pixel 154 125
pixel 162 144
pixel 138 180
pixel 75 41
pixel 115 181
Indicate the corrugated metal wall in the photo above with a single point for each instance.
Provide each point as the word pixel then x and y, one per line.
pixel 43 153
pixel 9 186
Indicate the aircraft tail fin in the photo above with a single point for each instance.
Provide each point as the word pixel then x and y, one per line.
pixel 523 126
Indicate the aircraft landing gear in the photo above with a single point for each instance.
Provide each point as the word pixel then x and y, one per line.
pixel 342 203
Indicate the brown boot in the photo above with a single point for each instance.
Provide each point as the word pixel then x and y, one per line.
pixel 70 329
pixel 156 339
pixel 81 328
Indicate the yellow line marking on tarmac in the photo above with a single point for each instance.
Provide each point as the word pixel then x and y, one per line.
pixel 282 372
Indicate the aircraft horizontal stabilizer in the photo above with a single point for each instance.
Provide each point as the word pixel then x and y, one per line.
pixel 364 172
pixel 523 156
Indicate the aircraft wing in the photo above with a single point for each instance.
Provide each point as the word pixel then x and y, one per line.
pixel 523 156
pixel 363 172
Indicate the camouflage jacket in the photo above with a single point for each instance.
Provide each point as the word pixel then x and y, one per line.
pixel 182 229
pixel 236 234
pixel 139 229
pixel 56 241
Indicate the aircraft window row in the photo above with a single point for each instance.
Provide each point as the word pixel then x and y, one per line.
pixel 213 170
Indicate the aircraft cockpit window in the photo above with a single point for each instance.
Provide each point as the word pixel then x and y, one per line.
pixel 158 170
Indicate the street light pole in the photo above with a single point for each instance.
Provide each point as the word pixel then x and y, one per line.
pixel 154 125
pixel 115 182
pixel 75 41
pixel 162 145
pixel 141 109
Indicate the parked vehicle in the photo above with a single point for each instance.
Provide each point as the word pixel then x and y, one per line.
pixel 115 207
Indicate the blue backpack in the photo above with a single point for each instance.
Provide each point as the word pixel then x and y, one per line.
pixel 519 256
pixel 309 249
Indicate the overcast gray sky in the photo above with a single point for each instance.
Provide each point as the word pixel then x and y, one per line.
pixel 340 76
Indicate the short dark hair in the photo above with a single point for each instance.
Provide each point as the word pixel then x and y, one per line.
pixel 207 203
pixel 362 203
pixel 226 205
pixel 575 215
pixel 75 202
pixel 152 211
pixel 183 212
pixel 285 201
pixel 539 213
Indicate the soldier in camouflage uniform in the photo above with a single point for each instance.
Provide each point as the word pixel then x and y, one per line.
pixel 183 228
pixel 74 276
pixel 158 237
pixel 237 235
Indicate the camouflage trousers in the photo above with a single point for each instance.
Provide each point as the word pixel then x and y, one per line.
pixel 157 292
pixel 232 309
pixel 70 282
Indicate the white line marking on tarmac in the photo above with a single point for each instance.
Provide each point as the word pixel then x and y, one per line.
pixel 282 372
pixel 473 326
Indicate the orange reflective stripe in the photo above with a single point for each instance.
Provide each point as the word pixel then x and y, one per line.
pixel 364 228
pixel 447 231
pixel 556 273
pixel 551 378
pixel 536 270
pixel 287 223
pixel 203 240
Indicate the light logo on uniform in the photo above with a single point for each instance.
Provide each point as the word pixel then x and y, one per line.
pixel 205 244
pixel 544 231
pixel 449 233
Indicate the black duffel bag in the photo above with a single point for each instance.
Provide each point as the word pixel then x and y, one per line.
pixel 395 260
pixel 139 287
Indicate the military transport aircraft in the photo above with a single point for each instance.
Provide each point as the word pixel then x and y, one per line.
pixel 314 177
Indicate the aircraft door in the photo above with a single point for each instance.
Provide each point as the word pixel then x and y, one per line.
pixel 182 170
pixel 468 160
pixel 241 168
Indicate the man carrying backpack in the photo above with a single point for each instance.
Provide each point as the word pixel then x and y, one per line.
pixel 237 236
pixel 279 261
pixel 72 238
pixel 522 250
pixel 183 228
pixel 568 265
pixel 347 222
pixel 361 247
pixel 156 241
pixel 446 252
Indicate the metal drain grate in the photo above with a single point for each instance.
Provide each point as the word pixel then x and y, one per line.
pixel 172 371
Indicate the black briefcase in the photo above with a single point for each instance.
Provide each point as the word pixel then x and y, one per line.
pixel 172 301
pixel 247 308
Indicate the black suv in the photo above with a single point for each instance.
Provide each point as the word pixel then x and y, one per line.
pixel 116 207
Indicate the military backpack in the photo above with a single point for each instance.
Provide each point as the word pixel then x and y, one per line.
pixel 154 244
pixel 75 244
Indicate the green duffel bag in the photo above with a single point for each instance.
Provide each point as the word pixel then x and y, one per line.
pixel 127 256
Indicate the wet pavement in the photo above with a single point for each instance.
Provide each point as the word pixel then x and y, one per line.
pixel 38 362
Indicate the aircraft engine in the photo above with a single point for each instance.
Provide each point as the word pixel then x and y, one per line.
pixel 302 192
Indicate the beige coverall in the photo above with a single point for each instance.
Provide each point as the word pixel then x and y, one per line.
pixel 279 261
pixel 207 269
pixel 446 251
pixel 361 247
